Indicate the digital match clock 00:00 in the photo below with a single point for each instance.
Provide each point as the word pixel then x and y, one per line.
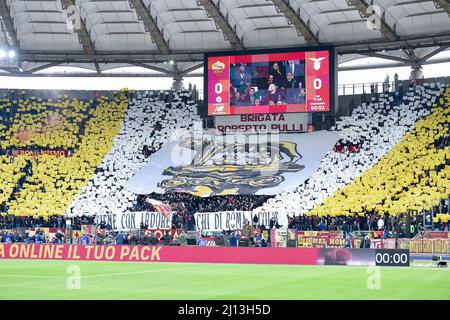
pixel 392 257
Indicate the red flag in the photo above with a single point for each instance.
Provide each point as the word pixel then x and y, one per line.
pixel 162 208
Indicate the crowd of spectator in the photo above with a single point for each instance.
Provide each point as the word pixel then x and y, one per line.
pixel 240 238
pixel 398 226
pixel 25 236
pixel 101 237
pixel 185 205
pixel 185 202
pixel 14 222
pixel 17 230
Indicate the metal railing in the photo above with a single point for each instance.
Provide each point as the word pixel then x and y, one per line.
pixel 343 89
pixel 365 88
pixel 380 87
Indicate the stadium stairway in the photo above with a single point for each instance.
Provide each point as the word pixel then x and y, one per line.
pixel 84 128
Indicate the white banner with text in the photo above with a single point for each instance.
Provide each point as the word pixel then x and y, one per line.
pixel 234 220
pixel 132 220
pixel 251 123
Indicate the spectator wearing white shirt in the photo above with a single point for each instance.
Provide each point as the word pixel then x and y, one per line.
pixel 380 224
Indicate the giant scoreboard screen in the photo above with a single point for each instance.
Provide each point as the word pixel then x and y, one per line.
pixel 270 81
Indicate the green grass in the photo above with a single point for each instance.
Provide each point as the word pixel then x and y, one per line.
pixel 32 279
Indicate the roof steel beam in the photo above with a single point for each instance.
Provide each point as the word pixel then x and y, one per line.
pixel 222 23
pixel 363 47
pixel 43 67
pixel 368 11
pixel 390 65
pixel 92 75
pixel 434 52
pixel 74 15
pixel 388 57
pixel 113 57
pixel 422 41
pixel 302 27
pixel 197 66
pixel 97 68
pixel 151 25
pixel 8 23
pixel 153 68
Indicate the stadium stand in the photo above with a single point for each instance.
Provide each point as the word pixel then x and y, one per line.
pixel 414 176
pixel 149 122
pixel 377 127
pixel 92 180
pixel 40 182
pixel 258 149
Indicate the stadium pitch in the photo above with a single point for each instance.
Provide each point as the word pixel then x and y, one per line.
pixel 32 279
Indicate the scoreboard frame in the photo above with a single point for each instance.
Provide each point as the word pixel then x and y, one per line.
pixel 333 76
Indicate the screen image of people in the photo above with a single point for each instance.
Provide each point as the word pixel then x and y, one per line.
pixel 267 83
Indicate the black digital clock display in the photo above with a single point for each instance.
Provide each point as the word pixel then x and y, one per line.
pixel 392 257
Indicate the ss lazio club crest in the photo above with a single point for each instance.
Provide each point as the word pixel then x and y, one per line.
pixel 317 62
pixel 218 68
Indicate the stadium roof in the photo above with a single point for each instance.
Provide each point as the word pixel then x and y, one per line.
pixel 106 34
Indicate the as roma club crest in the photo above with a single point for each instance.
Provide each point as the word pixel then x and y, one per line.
pixel 218 68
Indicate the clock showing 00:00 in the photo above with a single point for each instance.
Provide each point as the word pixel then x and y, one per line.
pixel 392 257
